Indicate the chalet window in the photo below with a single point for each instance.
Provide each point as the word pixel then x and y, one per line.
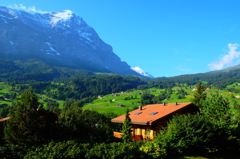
pixel 137 113
pixel 138 131
pixel 153 113
pixel 147 131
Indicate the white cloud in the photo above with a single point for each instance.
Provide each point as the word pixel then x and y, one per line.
pixel 227 60
pixel 28 9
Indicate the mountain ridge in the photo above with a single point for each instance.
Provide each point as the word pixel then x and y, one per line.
pixel 59 37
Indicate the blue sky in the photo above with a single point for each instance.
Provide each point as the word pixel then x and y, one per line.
pixel 162 37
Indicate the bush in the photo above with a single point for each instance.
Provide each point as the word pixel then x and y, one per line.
pixel 68 149
pixel 71 149
pixel 188 134
pixel 116 151
pixel 152 149
pixel 4 152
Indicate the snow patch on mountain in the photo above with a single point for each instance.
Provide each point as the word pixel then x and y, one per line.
pixel 141 72
pixel 51 49
pixel 87 36
pixel 12 43
pixel 14 13
pixel 5 21
pixel 3 16
pixel 61 16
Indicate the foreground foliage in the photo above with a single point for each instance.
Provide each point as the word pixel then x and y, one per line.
pixel 188 134
pixel 78 133
pixel 71 149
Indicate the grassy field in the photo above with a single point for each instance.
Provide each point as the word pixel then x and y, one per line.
pixel 130 99
pixel 108 103
pixel 43 97
pixel 7 89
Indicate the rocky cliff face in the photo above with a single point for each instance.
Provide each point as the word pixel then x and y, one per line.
pixel 58 38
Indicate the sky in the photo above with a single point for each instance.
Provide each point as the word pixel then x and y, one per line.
pixel 162 37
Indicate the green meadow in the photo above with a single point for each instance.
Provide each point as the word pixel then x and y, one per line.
pixel 108 103
pixel 5 89
pixel 130 98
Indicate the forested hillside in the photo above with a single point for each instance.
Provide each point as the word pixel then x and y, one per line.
pixel 219 79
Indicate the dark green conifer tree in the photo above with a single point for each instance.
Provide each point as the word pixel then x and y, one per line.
pixel 200 95
pixel 24 126
pixel 147 98
pixel 127 128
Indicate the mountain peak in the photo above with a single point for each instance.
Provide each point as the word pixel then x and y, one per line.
pixel 141 72
pixel 60 16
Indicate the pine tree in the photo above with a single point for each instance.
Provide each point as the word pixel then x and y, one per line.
pixel 200 95
pixel 127 128
pixel 24 126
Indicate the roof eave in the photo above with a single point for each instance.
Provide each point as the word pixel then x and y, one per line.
pixel 133 122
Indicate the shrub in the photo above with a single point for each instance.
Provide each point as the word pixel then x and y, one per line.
pixel 68 149
pixel 116 151
pixel 152 148
pixel 188 134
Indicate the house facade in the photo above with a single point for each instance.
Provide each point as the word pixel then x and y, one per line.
pixel 148 120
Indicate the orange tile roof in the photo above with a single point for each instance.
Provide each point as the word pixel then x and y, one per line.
pixel 3 119
pixel 145 119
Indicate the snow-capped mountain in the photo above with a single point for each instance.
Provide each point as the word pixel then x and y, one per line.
pixel 58 38
pixel 141 72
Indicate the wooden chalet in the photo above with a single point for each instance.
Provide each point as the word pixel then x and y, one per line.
pixel 148 120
